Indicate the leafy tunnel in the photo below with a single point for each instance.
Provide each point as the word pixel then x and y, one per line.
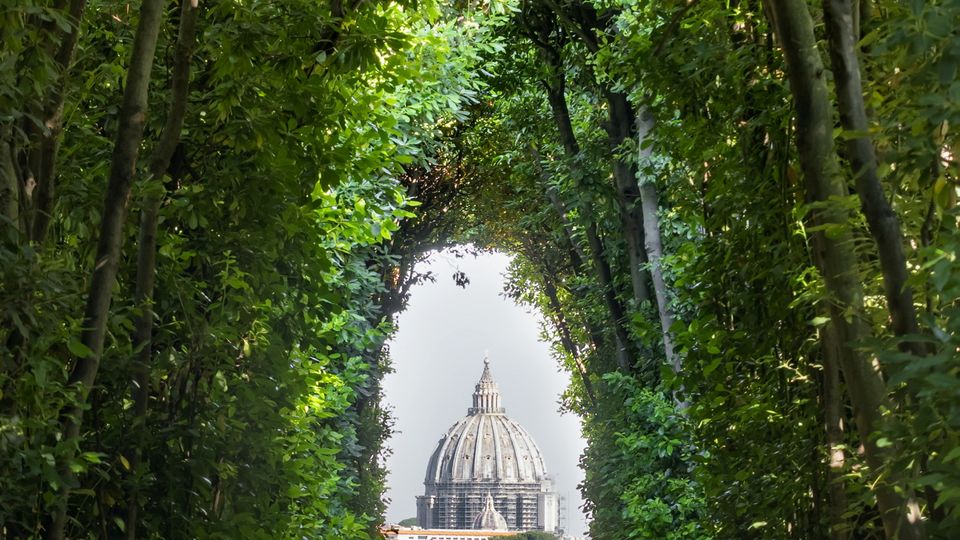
pixel 738 219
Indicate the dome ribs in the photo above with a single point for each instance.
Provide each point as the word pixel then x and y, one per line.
pixel 455 458
pixel 442 459
pixel 517 455
pixel 478 463
pixel 497 451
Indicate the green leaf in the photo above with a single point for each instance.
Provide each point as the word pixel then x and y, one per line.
pixel 952 455
pixel 78 349
pixel 712 366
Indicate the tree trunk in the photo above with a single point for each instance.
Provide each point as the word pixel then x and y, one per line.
pixel 583 20
pixel 147 240
pixel 9 183
pixel 628 195
pixel 122 168
pixel 881 219
pixel 49 146
pixel 835 256
pixel 614 306
pixel 654 246
pixel 577 256
pixel 567 340
pixel 561 116
pixel 833 424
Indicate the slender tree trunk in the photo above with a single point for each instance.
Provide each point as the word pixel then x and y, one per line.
pixel 602 269
pixel 19 192
pixel 654 246
pixel 632 218
pixel 147 240
pixel 841 26
pixel 567 340
pixel 577 256
pixel 49 147
pixel 133 114
pixel 833 423
pixel 556 96
pixel 9 183
pixel 615 308
pixel 835 255
pixel 582 19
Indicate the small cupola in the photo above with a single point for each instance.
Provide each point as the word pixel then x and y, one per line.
pixel 489 519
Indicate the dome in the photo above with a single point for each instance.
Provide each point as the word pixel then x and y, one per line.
pixel 487 473
pixel 489 519
pixel 486 445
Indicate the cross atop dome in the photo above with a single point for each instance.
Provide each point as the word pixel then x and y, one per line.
pixel 486 395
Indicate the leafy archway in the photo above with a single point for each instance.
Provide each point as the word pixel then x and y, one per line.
pixel 740 224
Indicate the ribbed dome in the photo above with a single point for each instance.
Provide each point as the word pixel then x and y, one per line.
pixel 486 445
pixel 489 519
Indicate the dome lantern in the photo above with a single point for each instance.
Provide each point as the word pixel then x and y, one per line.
pixel 486 395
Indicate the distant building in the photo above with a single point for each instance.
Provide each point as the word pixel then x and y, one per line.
pixel 416 533
pixel 487 473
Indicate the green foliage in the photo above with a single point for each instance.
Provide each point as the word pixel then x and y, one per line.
pixel 288 240
pixel 639 463
pixel 929 430
pixel 263 416
pixel 745 288
pixel 530 535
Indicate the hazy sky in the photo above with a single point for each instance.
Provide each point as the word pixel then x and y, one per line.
pixel 438 357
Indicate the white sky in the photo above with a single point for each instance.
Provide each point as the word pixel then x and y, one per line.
pixel 438 356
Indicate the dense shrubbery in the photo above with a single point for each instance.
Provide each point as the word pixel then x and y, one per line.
pixel 275 134
pixel 721 277
pixel 738 221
